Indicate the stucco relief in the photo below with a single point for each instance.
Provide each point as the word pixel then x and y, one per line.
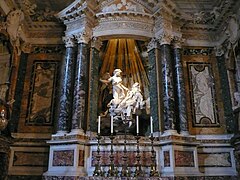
pixel 123 5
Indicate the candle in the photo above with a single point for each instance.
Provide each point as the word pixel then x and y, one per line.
pixel 137 124
pixel 151 124
pixel 99 124
pixel 111 124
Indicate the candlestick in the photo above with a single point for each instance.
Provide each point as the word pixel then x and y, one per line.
pixel 111 124
pixel 137 124
pixel 151 124
pixel 99 124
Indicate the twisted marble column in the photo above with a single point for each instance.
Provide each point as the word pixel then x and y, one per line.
pixel 80 94
pixel 180 88
pixel 154 81
pixel 168 85
pixel 66 86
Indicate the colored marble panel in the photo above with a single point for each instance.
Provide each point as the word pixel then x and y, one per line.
pixel 166 155
pixel 41 96
pixel 202 91
pixel 214 159
pixel 184 158
pixel 145 158
pixel 34 159
pixel 81 158
pixel 63 158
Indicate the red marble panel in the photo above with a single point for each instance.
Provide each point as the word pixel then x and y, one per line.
pixel 145 158
pixel 63 158
pixel 184 158
pixel 81 158
pixel 166 155
pixel 36 159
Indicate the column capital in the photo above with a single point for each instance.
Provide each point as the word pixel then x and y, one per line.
pixel 178 42
pixel 69 41
pixel 219 51
pixel 165 38
pixel 96 43
pixel 153 44
pixel 83 37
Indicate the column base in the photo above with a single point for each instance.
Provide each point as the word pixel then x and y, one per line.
pixel 170 132
pixel 60 133
pixel 184 133
pixel 77 132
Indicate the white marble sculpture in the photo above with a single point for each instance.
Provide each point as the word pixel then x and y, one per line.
pixel 125 101
pixel 14 20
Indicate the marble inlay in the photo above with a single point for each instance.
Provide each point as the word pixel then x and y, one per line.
pixel 166 155
pixel 202 94
pixel 81 158
pixel 63 158
pixel 34 159
pixel 184 158
pixel 41 101
pixel 221 159
pixel 145 158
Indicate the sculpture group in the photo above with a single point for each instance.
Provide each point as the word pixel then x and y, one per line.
pixel 126 101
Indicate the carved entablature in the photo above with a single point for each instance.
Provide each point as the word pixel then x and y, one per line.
pixel 123 17
pixel 79 18
pixel 120 24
